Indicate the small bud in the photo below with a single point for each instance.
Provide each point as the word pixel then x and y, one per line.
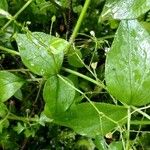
pixel 94 65
pixel 53 19
pixel 92 33
pixel 27 111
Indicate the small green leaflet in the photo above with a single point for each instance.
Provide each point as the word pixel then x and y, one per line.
pixel 127 70
pixel 3 110
pixel 125 9
pixel 75 57
pixel 3 5
pixel 41 53
pixel 9 84
pixel 85 120
pixel 4 123
pixel 58 95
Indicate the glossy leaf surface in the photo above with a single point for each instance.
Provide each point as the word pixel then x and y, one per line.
pixel 127 70
pixel 58 95
pixel 85 120
pixel 125 9
pixel 9 84
pixel 41 53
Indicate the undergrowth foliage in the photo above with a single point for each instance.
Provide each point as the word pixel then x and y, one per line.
pixel 74 74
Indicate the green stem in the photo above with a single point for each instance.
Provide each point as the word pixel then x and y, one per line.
pixel 78 24
pixel 17 70
pixel 34 79
pixel 140 122
pixel 16 15
pixel 84 77
pixel 9 50
pixel 23 119
pixel 141 112
pixel 128 128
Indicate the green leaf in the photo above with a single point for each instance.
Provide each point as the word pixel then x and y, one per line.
pixel 86 144
pixel 18 95
pixel 75 57
pixel 116 146
pixel 3 5
pixel 3 110
pixel 3 12
pixel 19 128
pixel 30 132
pixel 4 123
pixel 58 95
pixel 125 9
pixel 127 71
pixel 85 120
pixel 43 119
pixel 41 53
pixel 100 143
pixel 9 84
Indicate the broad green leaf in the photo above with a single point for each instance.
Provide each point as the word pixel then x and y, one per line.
pixel 58 95
pixel 41 53
pixel 85 120
pixel 9 84
pixel 127 71
pixel 125 9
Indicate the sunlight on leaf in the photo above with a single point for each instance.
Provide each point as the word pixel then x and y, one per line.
pixel 41 53
pixel 125 9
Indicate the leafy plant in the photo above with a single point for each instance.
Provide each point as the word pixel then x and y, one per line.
pixel 63 82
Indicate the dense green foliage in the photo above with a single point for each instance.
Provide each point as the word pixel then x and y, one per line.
pixel 74 74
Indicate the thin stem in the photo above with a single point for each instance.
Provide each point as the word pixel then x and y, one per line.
pixel 84 77
pixel 141 112
pixel 128 128
pixel 17 70
pixel 16 15
pixel 92 103
pixel 23 119
pixel 78 24
pixel 9 50
pixel 34 79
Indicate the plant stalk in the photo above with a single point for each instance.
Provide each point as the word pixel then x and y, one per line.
pixel 16 15
pixel 9 50
pixel 128 128
pixel 78 24
pixel 84 77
